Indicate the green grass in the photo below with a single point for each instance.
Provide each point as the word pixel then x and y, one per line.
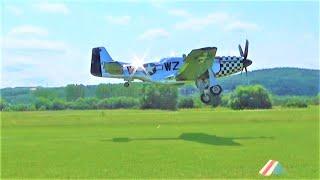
pixel 197 143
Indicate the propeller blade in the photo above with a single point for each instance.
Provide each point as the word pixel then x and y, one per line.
pixel 240 50
pixel 245 68
pixel 246 50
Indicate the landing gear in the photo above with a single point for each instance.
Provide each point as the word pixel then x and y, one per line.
pixel 215 90
pixel 126 84
pixel 208 89
pixel 205 98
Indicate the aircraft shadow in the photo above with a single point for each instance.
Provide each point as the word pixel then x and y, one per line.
pixel 193 137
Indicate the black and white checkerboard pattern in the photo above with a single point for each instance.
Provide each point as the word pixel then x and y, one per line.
pixel 229 65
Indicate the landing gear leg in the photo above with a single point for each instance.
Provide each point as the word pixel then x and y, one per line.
pixel 214 88
pixel 203 85
pixel 208 88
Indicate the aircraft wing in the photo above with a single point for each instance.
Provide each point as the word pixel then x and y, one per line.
pixel 197 63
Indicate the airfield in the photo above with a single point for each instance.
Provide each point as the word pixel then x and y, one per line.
pixel 189 143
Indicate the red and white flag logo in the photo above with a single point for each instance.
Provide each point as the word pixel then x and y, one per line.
pixel 272 167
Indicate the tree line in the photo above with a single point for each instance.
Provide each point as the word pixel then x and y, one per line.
pixel 151 96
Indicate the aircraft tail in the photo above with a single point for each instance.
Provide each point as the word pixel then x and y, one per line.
pixel 99 56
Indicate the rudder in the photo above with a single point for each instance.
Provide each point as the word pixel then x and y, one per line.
pixel 104 55
pixel 99 56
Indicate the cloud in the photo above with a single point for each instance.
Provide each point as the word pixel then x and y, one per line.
pixel 222 20
pixel 198 23
pixel 308 36
pixel 158 3
pixel 154 34
pixel 52 7
pixel 179 13
pixel 32 44
pixel 242 26
pixel 17 11
pixel 120 20
pixel 28 30
pixel 32 62
pixel 230 52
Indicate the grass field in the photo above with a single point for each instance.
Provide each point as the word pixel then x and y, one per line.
pixel 197 143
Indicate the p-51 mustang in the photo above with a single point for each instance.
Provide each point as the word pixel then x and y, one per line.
pixel 200 65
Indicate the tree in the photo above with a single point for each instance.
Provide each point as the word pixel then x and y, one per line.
pixel 73 92
pixel 3 104
pixel 250 97
pixel 45 93
pixel 225 100
pixel 58 104
pixel 102 91
pixel 159 97
pixel 43 104
pixel 22 107
pixel 215 101
pixel 118 102
pixel 84 103
pixel 296 102
pixel 186 103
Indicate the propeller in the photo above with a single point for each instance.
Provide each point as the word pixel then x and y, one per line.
pixel 246 62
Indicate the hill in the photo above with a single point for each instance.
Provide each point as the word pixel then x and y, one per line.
pixel 279 81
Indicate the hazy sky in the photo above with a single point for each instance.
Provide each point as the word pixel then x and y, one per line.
pixel 49 43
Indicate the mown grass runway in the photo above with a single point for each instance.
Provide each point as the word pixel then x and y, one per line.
pixel 197 143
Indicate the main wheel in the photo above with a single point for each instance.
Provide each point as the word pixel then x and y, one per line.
pixel 126 84
pixel 205 98
pixel 215 90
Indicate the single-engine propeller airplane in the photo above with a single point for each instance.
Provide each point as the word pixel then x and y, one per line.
pixel 200 65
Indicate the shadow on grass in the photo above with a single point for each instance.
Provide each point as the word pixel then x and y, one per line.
pixel 194 137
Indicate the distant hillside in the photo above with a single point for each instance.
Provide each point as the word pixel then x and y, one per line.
pixel 280 81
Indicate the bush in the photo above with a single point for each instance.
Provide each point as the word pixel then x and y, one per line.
pixel 58 104
pixel 91 102
pixel 3 104
pixel 118 102
pixel 43 103
pixel 250 97
pixel 186 103
pixel 225 100
pixel 295 102
pixel 315 100
pixel 159 97
pixel 197 103
pixel 215 100
pixel 283 100
pixel 84 103
pixel 42 108
pixel 7 108
pixel 22 107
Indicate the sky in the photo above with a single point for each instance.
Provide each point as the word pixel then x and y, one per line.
pixel 48 43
